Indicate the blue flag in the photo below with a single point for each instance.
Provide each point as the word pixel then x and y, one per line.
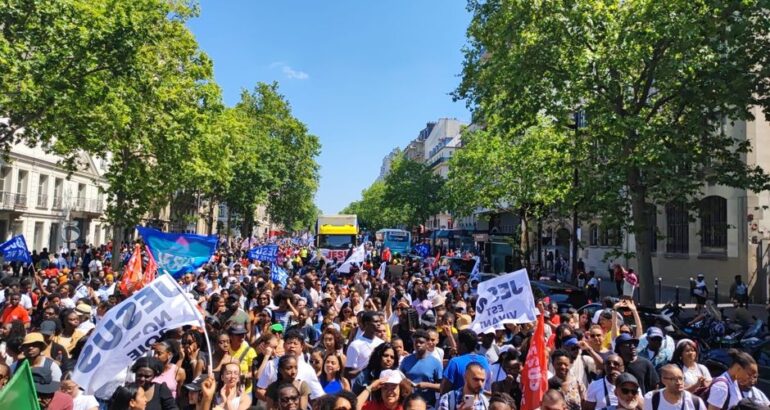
pixel 422 249
pixel 15 250
pixel 178 253
pixel 266 253
pixel 278 274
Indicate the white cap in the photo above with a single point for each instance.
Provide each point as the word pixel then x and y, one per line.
pixel 391 376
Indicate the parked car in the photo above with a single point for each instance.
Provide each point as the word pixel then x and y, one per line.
pixel 564 294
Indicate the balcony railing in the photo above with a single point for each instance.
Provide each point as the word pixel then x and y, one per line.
pixel 12 200
pixel 91 205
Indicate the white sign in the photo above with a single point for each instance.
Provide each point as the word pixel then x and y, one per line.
pixel 70 232
pixel 504 299
pixel 358 257
pixel 129 330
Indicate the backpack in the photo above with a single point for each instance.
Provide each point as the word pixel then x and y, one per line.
pixel 707 393
pixel 656 400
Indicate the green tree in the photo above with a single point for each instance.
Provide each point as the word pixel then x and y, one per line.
pixel 658 82
pixel 275 162
pixel 372 210
pixel 413 193
pixel 59 59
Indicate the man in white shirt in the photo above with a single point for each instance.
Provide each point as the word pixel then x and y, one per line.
pixel 292 344
pixel 361 349
pixel 673 396
pixel 601 393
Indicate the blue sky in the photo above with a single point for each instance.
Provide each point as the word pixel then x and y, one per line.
pixel 364 75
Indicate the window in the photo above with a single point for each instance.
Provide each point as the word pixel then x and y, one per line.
pixel 58 189
pixel 42 191
pixel 5 177
pixel 652 227
pixel 593 235
pixel 603 237
pixel 613 237
pixel 677 229
pixel 713 224
pixel 21 183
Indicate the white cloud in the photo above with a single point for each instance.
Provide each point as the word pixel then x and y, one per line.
pixel 289 72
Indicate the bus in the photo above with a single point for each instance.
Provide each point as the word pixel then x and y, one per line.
pixel 335 235
pixel 398 240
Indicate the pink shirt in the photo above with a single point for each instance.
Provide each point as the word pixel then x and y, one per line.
pixel 168 377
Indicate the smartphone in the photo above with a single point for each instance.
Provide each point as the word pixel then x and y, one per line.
pixel 468 401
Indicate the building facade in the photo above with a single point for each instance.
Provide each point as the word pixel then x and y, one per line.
pixel 728 235
pixel 387 163
pixel 51 208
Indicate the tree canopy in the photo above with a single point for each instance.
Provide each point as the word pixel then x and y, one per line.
pixel 660 83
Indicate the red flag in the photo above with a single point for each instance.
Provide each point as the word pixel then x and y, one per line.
pixel 435 261
pixel 151 269
pixel 132 272
pixel 534 382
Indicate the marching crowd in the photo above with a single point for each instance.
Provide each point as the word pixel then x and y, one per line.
pixel 364 339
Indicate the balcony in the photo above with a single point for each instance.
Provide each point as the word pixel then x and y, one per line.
pixel 12 200
pixel 88 205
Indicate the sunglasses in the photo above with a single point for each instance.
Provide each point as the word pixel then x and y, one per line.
pixel 289 399
pixel 624 390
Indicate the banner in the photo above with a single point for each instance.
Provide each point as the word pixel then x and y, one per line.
pixel 15 250
pixel 358 257
pixel 129 330
pixel 278 274
pixel 422 249
pixel 534 376
pixel 265 253
pixel 504 299
pixel 178 253
pixel 19 393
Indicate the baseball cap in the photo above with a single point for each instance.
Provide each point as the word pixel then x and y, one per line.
pixel 626 378
pixel 83 309
pixel 236 330
pixel 655 332
pixel 626 338
pixel 43 378
pixel 197 383
pixel 277 327
pixel 48 327
pixel 389 376
pixel 569 342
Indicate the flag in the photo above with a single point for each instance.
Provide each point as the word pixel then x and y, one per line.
pixel 383 268
pixel 151 270
pixel 475 274
pixel 436 261
pixel 132 272
pixel 178 253
pixel 358 256
pixel 19 393
pixel 128 330
pixel 15 250
pixel 278 274
pixel 422 249
pixel 534 382
pixel 265 253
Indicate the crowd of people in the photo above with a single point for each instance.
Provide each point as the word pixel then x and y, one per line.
pixel 364 339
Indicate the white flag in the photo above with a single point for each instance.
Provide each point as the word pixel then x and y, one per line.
pixel 504 299
pixel 358 257
pixel 129 330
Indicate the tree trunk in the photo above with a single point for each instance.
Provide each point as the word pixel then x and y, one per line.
pixel 539 241
pixel 118 232
pixel 524 239
pixel 211 217
pixel 229 212
pixel 640 226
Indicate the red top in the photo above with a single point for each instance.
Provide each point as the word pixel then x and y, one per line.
pixel 11 313
pixel 376 405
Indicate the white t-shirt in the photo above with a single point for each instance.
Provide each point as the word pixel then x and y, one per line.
pixel 359 351
pixel 601 391
pixel 84 402
pixel 691 376
pixel 756 395
pixel 719 388
pixel 689 402
pixel 305 373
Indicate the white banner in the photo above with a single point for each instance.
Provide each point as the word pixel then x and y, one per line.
pixel 129 330
pixel 357 256
pixel 504 299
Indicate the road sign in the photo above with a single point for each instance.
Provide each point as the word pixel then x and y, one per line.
pixel 70 232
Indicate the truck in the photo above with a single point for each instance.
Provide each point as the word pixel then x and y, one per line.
pixel 335 235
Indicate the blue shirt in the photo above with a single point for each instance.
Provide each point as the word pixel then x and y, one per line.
pixel 428 369
pixel 455 369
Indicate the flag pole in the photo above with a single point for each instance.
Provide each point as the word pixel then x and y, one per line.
pixel 203 323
